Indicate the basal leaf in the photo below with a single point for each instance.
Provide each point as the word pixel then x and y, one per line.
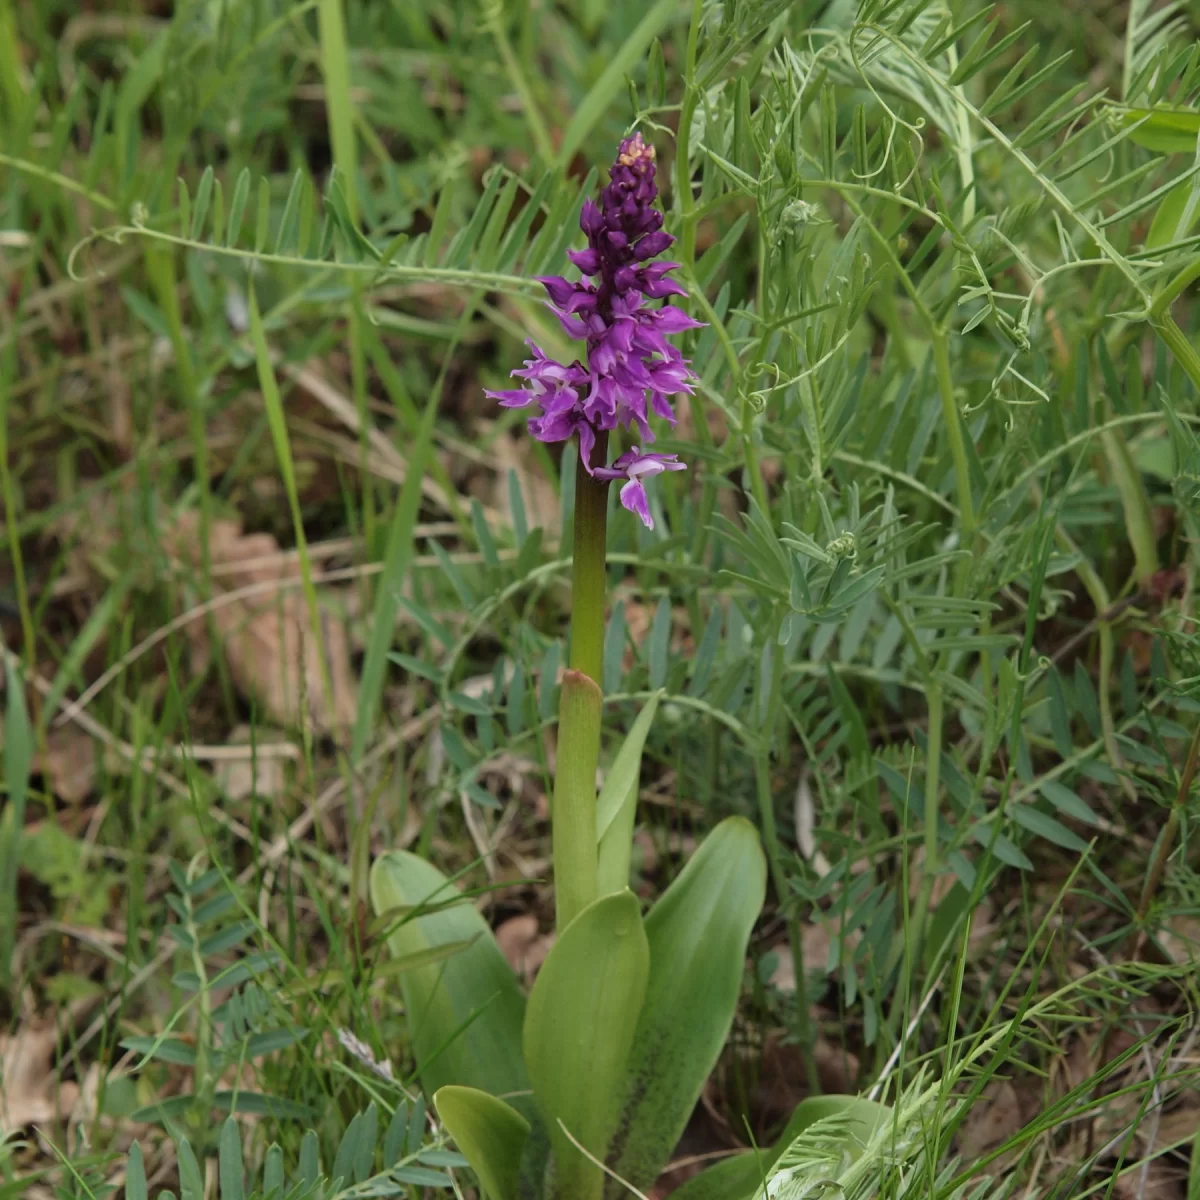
pixel 579 1027
pixel 697 932
pixel 489 1132
pixel 464 1013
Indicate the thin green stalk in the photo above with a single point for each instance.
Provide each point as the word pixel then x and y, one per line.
pixel 588 581
pixel 494 19
pixel 283 454
pixel 954 431
pixel 1160 308
pixel 1177 342
pixel 10 64
pixel 9 494
pixel 683 150
pixel 160 266
pixel 573 835
pixel 931 864
pixel 766 813
pixel 1098 593
pixel 335 67
pixel 758 487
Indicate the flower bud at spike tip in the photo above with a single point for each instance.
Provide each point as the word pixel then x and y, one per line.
pixel 631 369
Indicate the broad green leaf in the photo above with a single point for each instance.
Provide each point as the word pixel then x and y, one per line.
pixel 741 1178
pixel 579 1027
pixel 1166 130
pixel 489 1132
pixel 465 1012
pixel 617 804
pixel 697 932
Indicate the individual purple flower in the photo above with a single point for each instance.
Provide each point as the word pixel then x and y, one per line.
pixel 634 466
pixel 632 369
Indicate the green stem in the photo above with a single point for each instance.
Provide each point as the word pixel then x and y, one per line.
pixel 1177 342
pixel 1160 308
pixel 929 868
pixel 1102 602
pixel 573 835
pixel 683 150
pixel 576 856
pixel 11 88
pixel 954 431
pixel 766 814
pixel 758 487
pixel 537 127
pixel 8 493
pixel 588 583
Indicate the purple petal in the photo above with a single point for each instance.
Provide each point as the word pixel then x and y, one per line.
pixel 670 319
pixel 662 407
pixel 560 289
pixel 591 219
pixel 587 443
pixel 588 261
pixel 573 327
pixel 581 299
pixel 515 398
pixel 652 244
pixel 554 426
pixel 633 497
pixel 662 287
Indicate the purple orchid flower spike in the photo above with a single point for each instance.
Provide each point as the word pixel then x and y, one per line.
pixel 635 466
pixel 632 370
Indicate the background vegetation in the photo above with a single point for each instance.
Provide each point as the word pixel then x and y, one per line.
pixel 282 589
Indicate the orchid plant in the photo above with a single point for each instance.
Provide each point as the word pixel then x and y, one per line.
pixel 581 1090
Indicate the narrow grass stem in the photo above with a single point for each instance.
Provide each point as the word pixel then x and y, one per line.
pixel 766 814
pixel 1177 342
pixel 954 431
pixel 9 495
pixel 1098 593
pixel 683 149
pixel 931 864
pixel 770 831
pixel 537 127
